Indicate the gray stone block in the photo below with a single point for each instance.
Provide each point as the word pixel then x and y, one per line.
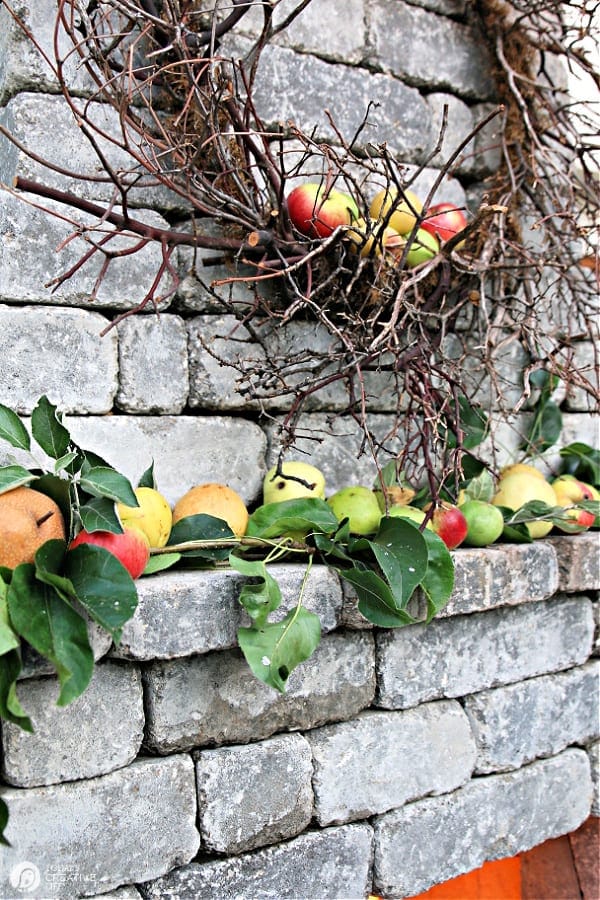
pixel 153 365
pixel 458 126
pixel 186 450
pixel 497 384
pixel 594 755
pixel 88 837
pixel 538 717
pixel 35 665
pixel 33 253
pixel 500 575
pixel 403 37
pixel 60 353
pixel 332 863
pixel 464 654
pixel 214 699
pixel 182 613
pixel 400 118
pixel 127 892
pixel 584 359
pixel 578 561
pixel 438 838
pixel 100 731
pixel 254 795
pixel 389 759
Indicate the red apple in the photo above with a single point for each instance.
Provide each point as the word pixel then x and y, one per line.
pixel 450 524
pixel 444 220
pixel 317 212
pixel 131 548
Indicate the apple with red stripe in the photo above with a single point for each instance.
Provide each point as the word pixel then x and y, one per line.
pixel 444 221
pixel 131 548
pixel 317 211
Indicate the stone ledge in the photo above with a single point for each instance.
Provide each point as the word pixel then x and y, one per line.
pixel 578 561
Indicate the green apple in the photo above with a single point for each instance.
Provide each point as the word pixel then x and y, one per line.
pixel 286 486
pixel 359 505
pixel 409 512
pixel 424 246
pixel 485 523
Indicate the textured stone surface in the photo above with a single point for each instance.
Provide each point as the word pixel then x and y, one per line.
pixel 27 276
pixel 91 836
pixel 215 699
pixel 438 838
pixel 402 118
pixel 254 795
pixel 594 756
pixel 100 731
pixel 578 561
pixel 538 717
pixel 389 759
pixel 584 360
pixel 503 574
pixel 458 656
pixel 181 613
pixel 60 353
pixel 35 665
pixel 127 892
pixel 403 38
pixel 332 863
pixel 153 365
pixel 458 126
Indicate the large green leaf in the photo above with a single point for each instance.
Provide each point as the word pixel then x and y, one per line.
pixel 473 422
pixel 161 561
pixel 99 514
pixel 582 461
pixel 274 651
pixel 53 628
pixel 103 586
pixel 8 639
pixel 376 601
pixel 438 581
pixel 401 552
pixel 202 527
pixel 10 707
pixel 48 430
pixel 13 430
pixel 545 429
pixel 304 515
pixel 12 477
pixel 147 479
pixel 59 490
pixel 260 597
pixel 104 481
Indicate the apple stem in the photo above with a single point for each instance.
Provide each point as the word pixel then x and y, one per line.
pixel 44 518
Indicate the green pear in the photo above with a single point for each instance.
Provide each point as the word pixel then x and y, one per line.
pixel 359 505
pixel 285 487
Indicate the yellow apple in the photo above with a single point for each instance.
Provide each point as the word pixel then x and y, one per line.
pixel 286 485
pixel 153 516
pixel 403 218
pixel 517 489
pixel 359 505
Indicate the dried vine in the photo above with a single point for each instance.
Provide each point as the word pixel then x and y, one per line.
pixel 186 121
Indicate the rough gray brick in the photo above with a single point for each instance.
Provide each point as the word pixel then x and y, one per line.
pixel 459 125
pixel 594 755
pixel 458 656
pixel 538 717
pixel 402 119
pixel 438 838
pixel 446 7
pixel 153 364
pixel 585 361
pixel 254 795
pixel 35 665
pixel 88 837
pixel 100 731
pixel 186 450
pixel 501 390
pixel 578 561
pixel 500 575
pixel 410 754
pixel 403 37
pixel 33 254
pixel 182 613
pixel 60 353
pixel 332 863
pixel 127 892
pixel 487 146
pixel 214 699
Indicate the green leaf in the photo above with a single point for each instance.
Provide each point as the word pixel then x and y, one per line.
pixel 274 651
pixel 401 551
pixel 473 422
pixel 161 561
pixel 582 461
pixel 48 430
pixel 438 582
pixel 66 461
pixel 545 429
pixel 53 628
pixel 8 639
pixel 3 823
pixel 103 586
pixel 201 528
pixel 13 430
pixel 14 476
pixel 99 514
pixel 10 707
pixel 104 481
pixel 260 597
pixel 59 490
pixel 376 601
pixel 481 487
pixel 304 515
pixel 148 479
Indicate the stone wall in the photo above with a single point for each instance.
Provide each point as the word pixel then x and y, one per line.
pixel 396 759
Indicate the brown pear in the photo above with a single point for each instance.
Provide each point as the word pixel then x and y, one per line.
pixel 28 519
